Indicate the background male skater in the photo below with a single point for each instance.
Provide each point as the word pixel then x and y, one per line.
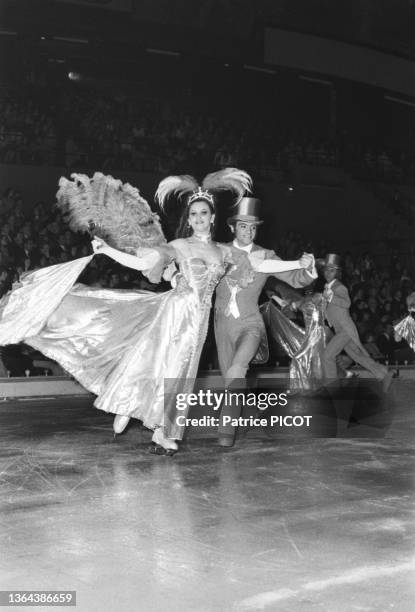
pixel 346 336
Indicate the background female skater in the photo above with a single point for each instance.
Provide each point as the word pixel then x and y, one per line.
pixel 304 345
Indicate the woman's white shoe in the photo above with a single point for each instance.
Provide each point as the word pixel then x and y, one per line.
pixel 120 423
pixel 160 439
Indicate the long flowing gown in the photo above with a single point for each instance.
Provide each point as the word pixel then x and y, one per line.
pixel 304 346
pixel 134 349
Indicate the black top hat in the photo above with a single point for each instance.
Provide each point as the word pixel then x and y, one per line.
pixel 330 261
pixel 247 209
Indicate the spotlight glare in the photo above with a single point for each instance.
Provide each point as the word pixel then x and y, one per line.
pixel 74 76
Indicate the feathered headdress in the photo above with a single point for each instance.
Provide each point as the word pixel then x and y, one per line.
pixel 177 185
pixel 111 210
pixel 228 179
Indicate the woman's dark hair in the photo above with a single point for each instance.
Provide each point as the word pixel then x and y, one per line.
pixel 183 229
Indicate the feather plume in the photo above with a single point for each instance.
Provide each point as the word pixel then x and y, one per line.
pixel 111 210
pixel 177 185
pixel 229 179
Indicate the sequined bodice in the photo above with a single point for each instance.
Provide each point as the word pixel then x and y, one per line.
pixel 200 277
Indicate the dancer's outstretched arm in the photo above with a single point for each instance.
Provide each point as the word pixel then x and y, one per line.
pixel 146 259
pixel 273 266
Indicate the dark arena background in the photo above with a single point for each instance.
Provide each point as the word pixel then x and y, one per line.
pixel 315 99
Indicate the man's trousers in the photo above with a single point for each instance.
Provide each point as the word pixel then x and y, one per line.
pixel 342 341
pixel 237 341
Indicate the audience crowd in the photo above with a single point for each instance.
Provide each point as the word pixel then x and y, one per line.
pixel 89 128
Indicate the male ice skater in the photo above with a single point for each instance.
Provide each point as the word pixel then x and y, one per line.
pixel 346 336
pixel 239 327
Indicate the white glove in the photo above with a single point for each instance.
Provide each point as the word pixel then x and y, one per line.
pixel 99 246
pixel 306 260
